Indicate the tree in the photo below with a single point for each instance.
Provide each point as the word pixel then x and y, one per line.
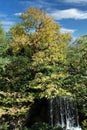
pixel 3 47
pixel 2 35
pixel 39 39
pixel 38 62
pixel 40 30
pixel 76 80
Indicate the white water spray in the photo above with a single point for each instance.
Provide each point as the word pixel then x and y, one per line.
pixel 64 113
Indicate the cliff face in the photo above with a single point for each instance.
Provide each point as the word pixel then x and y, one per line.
pixel 39 112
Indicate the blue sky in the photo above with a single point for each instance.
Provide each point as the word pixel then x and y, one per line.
pixel 70 14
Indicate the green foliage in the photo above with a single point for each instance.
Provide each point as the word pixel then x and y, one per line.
pixel 40 55
pixel 41 126
pixel 4 126
pixel 84 123
pixel 77 69
pixel 2 35
pixel 38 63
pixel 76 80
pixel 3 48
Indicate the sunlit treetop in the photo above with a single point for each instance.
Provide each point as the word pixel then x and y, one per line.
pixel 40 30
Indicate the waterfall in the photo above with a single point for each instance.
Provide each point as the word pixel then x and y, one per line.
pixel 64 113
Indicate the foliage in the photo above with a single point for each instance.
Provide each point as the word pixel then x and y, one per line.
pixel 3 47
pixel 76 81
pixel 39 63
pixel 84 123
pixel 4 126
pixel 42 126
pixel 43 49
pixel 38 30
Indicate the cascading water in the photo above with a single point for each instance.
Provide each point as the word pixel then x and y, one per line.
pixel 64 113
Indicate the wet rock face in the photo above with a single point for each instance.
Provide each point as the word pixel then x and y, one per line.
pixel 39 112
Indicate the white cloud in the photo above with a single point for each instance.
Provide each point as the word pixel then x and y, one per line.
pixel 69 14
pixel 67 30
pixel 17 14
pixel 76 1
pixel 7 25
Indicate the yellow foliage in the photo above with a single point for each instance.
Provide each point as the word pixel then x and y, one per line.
pixel 2 112
pixel 19 42
pixel 42 35
pixel 16 111
pixel 84 123
pixel 39 30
